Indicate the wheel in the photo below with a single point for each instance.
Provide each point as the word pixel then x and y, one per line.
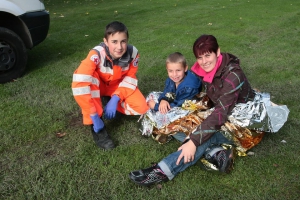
pixel 13 55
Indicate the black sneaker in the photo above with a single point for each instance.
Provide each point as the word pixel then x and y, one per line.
pixel 102 139
pixel 225 160
pixel 148 176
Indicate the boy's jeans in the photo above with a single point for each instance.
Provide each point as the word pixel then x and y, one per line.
pixel 168 164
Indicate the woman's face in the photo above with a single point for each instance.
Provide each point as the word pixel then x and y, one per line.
pixel 207 61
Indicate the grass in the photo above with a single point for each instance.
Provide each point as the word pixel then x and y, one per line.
pixel 35 164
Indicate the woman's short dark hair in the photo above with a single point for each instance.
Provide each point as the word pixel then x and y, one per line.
pixel 205 44
pixel 115 27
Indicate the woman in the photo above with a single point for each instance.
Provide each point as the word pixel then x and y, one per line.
pixel 226 85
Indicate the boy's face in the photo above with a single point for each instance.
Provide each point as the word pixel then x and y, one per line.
pixel 208 61
pixel 176 72
pixel 117 44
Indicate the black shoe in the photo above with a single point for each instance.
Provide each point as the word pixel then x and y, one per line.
pixel 148 176
pixel 102 139
pixel 225 160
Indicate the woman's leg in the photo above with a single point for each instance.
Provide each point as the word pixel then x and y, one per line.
pixel 167 168
pixel 168 164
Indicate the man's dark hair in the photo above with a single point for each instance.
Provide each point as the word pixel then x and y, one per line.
pixel 115 27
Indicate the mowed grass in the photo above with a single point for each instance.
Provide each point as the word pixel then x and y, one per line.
pixel 36 164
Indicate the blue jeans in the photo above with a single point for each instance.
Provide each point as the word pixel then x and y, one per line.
pixel 168 164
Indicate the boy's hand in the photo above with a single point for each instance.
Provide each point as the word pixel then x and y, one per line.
pixel 164 106
pixel 151 103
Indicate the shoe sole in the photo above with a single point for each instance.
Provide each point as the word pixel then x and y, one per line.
pixel 108 149
pixel 145 184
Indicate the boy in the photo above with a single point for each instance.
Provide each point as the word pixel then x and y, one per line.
pixel 181 84
pixel 109 70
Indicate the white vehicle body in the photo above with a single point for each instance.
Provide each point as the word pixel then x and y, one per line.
pixel 23 25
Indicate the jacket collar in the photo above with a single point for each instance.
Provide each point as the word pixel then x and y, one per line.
pixel 122 62
pixel 227 59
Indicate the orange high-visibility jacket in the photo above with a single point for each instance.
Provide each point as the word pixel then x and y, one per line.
pixel 99 72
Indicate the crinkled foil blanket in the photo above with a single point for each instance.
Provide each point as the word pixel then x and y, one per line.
pixel 246 125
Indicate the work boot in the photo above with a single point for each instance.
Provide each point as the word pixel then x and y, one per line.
pixel 102 139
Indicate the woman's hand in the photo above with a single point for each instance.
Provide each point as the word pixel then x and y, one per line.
pixel 164 106
pixel 188 151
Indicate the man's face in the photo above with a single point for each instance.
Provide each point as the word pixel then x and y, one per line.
pixel 117 44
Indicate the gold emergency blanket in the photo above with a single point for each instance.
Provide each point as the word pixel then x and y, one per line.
pixel 199 110
pixel 243 138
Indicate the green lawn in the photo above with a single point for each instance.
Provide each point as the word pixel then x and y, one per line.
pixel 36 164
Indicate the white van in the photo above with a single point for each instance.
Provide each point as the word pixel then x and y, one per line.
pixel 23 25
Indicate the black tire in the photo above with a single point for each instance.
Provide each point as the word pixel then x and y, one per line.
pixel 13 55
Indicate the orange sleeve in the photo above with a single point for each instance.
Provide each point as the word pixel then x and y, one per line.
pixel 129 83
pixel 81 84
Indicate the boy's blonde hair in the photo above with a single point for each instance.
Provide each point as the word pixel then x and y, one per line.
pixel 176 58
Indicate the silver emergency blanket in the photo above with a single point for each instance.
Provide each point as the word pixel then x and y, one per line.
pixel 260 114
pixel 156 119
pixel 245 126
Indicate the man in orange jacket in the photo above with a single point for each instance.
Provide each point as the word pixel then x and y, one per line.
pixel 109 70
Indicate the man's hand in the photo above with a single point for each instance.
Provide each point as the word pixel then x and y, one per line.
pixel 164 106
pixel 97 122
pixel 111 107
pixel 188 151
